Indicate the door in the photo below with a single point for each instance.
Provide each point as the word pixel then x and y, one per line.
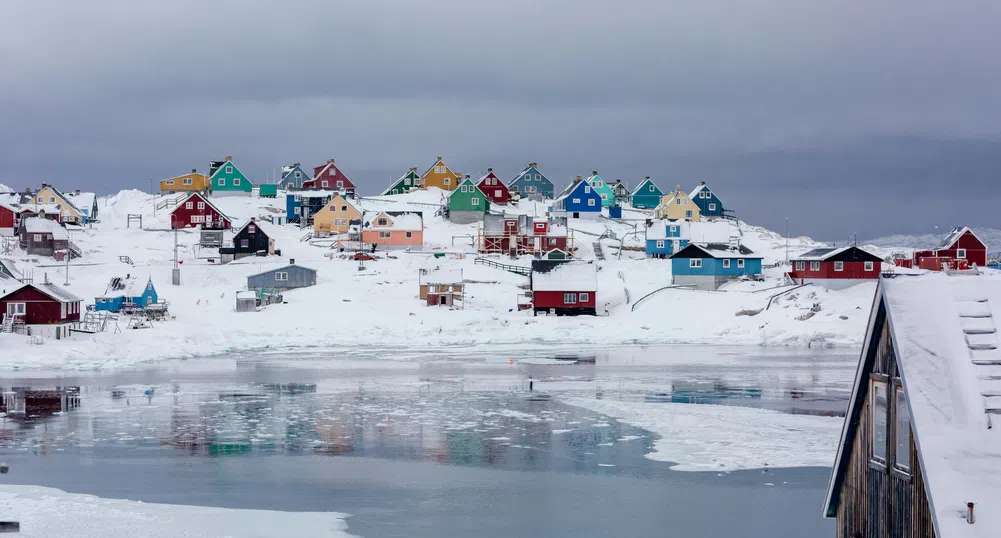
pixel 443 300
pixel 538 244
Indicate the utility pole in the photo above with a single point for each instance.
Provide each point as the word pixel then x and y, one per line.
pixel 68 255
pixel 176 273
pixel 787 240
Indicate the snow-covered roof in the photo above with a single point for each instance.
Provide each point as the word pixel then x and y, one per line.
pixel 40 208
pixel 54 291
pixel 12 268
pixel 821 253
pixel 285 268
pixel 947 355
pixel 38 225
pixel 709 232
pixel 441 275
pixel 569 190
pixel 715 250
pixel 246 295
pixel 123 289
pixel 5 188
pixel 569 276
pixel 400 221
pixel 643 184
pixel 657 231
pixel 702 186
pixel 953 236
pixel 83 200
pixel 8 206
pixel 204 199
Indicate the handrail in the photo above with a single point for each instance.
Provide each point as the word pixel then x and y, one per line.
pixel 517 269
pixel 773 297
pixel 658 290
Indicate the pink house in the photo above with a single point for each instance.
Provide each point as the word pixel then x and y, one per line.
pixel 393 230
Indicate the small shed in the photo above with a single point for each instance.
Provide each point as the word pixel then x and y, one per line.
pixel 557 254
pixel 268 190
pixel 284 278
pixel 246 301
pixel 442 286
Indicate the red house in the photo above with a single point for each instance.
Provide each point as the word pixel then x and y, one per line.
pixel 521 234
pixel 8 220
pixel 836 267
pixel 494 189
pixel 328 176
pixel 198 211
pixel 960 247
pixel 42 309
pixel 564 288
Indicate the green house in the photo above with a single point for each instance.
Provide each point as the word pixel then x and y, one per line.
pixel 407 182
pixel 226 179
pixel 603 189
pixel 647 195
pixel 621 191
pixel 467 203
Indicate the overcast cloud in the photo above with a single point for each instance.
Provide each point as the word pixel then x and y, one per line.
pixel 848 117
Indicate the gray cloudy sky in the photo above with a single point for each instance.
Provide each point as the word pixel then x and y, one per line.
pixel 849 117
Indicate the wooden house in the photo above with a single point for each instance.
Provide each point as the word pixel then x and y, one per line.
pixel 920 446
pixel 836 267
pixel 710 206
pixel 336 217
pixel 441 287
pixel 564 288
pixel 393 230
pixel 441 176
pixel 198 212
pixel 578 200
pixel 283 278
pixel 86 202
pixel 709 266
pixel 194 181
pixel 532 184
pixel 666 237
pixel 493 188
pixel 407 182
pixel 960 247
pixel 603 189
pixel 43 237
pixel 293 176
pixel 44 309
pixel 121 295
pixel 647 195
pixel 302 206
pixel 677 205
pixel 620 191
pixel 522 234
pixel 329 176
pixel 57 205
pixel 467 204
pixel 226 179
pixel 8 220
pixel 250 240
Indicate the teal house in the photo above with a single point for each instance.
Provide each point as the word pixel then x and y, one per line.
pixel 709 204
pixel 603 189
pixel 647 195
pixel 709 266
pixel 225 179
pixel 121 295
pixel 532 184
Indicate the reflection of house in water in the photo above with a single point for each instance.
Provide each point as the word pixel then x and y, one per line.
pixel 26 403
pixel 703 392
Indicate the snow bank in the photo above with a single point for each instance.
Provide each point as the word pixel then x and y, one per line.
pixel 47 512
pixel 726 438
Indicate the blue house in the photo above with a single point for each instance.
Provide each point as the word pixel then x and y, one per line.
pixel 709 266
pixel 647 195
pixel 709 204
pixel 121 294
pixel 531 183
pixel 579 200
pixel 292 177
pixel 306 203
pixel 665 237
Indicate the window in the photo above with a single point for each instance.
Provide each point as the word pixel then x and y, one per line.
pixel 448 181
pixel 591 202
pixel 650 188
pixel 600 184
pixel 332 172
pixel 410 235
pixel 381 222
pixel 251 228
pixel 189 205
pixel 587 189
pixel 839 266
pixel 740 264
pixel 229 169
pixel 385 234
pixel 282 276
pixel 201 205
pixel 38 238
pixel 726 264
pixel 660 243
pixel 569 298
pixel 688 214
pixel 575 200
pixel 712 207
pixel 497 193
pixel 197 219
pixel 604 196
pixel 584 297
pixel 475 201
pixel 961 253
pixel 695 262
pixel 677 201
pixel 800 266
pixel 344 209
pixel 52 199
pixel 221 182
pixel 324 183
pixel 902 456
pixel 15 309
pixel 868 266
pixel 674 229
pixel 815 266
pixel 463 188
pixel 298 174
pixel 41 200
pixel 340 184
pixel 878 407
pixel 188 181
pixel 406 181
pixel 169 182
pixel 244 243
pixel 552 241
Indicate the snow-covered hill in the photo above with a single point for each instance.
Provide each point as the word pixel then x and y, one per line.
pixel 378 306
pixel 990 236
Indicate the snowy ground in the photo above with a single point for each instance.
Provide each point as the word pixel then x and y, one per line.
pixel 47 512
pixel 351 307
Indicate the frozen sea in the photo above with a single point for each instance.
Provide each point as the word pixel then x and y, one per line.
pixel 455 443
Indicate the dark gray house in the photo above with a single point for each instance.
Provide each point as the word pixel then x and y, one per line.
pixel 283 278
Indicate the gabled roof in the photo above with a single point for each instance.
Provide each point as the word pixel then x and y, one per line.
pixel 398 221
pixel 846 253
pixel 525 171
pixel 670 196
pixel 38 225
pixel 573 186
pixel 195 194
pixel 8 264
pixel 715 250
pixel 222 168
pixel 436 163
pixel 643 184
pixel 51 290
pixel 950 240
pixel 441 275
pixel 285 268
pixel 939 325
pixel 65 199
pixel 346 202
pixel 255 223
pixel 702 186
pixel 565 276
pixel 83 200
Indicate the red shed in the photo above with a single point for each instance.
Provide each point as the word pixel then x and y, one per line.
pixel 198 211
pixel 8 220
pixel 564 288
pixel 836 267
pixel 960 246
pixel 494 189
pixel 328 176
pixel 42 306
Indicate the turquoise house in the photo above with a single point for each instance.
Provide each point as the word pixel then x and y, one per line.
pixel 226 179
pixel 710 206
pixel 603 189
pixel 120 295
pixel 530 183
pixel 709 266
pixel 647 195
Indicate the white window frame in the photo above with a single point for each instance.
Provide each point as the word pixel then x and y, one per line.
pixel 475 201
pixel 385 234
pixel 651 188
pixel 410 235
pixel 583 297
pixel 169 182
pixel 839 266
pixel 660 243
pixel 604 196
pixel 187 181
pixel 189 205
pixel 298 174
pixel 340 184
pixel 712 207
pixel 201 205
pixel 448 181
pixel 874 384
pixel 221 182
pixel 815 266
pixel 726 264
pixel 37 238
pixel 695 263
pixel 868 266
pixel 236 182
pixel 570 298
pixel 740 264
pixel 590 202
pixel 961 253
pixel 575 200
pixel 229 169
pixel 900 401
pixel 674 229
pixel 197 219
pixel 62 310
pixel 497 193
pixel 800 266
pixel 281 276
pixel 16 309
pixel 587 189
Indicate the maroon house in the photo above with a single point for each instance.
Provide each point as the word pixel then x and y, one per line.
pixel 198 211
pixel 44 237
pixel 494 189
pixel 8 220
pixel 43 309
pixel 328 176
pixel 959 247
pixel 501 234
pixel 564 288
pixel 836 267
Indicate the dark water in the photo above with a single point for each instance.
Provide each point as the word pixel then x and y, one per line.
pixel 442 447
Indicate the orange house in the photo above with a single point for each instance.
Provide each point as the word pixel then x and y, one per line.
pixel 441 176
pixel 393 230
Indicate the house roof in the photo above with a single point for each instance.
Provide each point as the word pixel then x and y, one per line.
pixel 845 253
pixel 643 184
pixel 38 225
pixel 570 189
pixel 441 275
pixel 207 202
pixel 124 289
pixel 255 223
pixel 83 200
pixel 9 265
pixel 436 163
pixel 346 202
pixel 954 236
pixel 57 293
pixel 400 221
pixel 65 199
pixel 939 324
pixel 700 188
pixel 222 168
pixel 285 268
pixel 567 276
pixel 525 171
pixel 715 250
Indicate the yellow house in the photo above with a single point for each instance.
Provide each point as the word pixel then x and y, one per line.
pixel 441 176
pixel 336 216
pixel 677 205
pixel 48 196
pixel 188 182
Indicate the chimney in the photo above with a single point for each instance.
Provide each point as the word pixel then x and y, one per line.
pixel 702 182
pixel 594 172
pixel 413 168
pixel 76 192
pixel 490 170
pixel 252 219
pixel 648 177
pixel 533 165
pixel 439 157
pixel 677 188
pixel 330 161
pixel 229 159
pixel 467 176
pixel 194 170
